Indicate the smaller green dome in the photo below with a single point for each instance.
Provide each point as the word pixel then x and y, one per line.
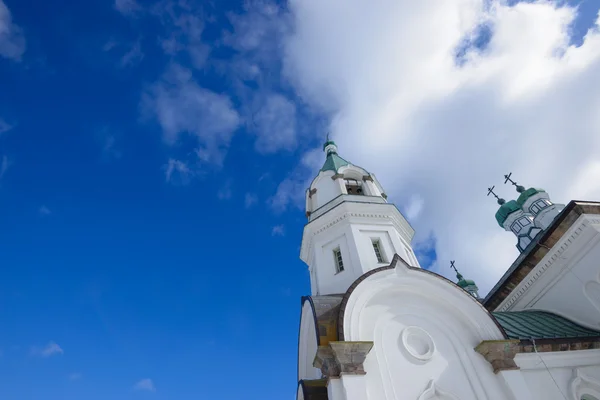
pixel 327 143
pixel 505 210
pixel 527 194
pixel 463 283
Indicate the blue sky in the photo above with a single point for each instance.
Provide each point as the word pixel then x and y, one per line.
pixel 153 157
pixel 190 282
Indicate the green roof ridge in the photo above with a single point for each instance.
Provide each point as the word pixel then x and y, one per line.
pixel 540 325
pixel 333 162
pixel 527 194
pixel 505 210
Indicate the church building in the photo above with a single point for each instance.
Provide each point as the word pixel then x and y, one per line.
pixel 379 327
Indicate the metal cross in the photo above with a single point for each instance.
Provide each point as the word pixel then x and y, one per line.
pixel 491 191
pixel 452 266
pixel 507 179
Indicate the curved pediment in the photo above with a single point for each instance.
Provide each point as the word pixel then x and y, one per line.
pixel 401 278
pixel 424 329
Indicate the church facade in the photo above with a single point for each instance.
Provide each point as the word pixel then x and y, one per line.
pixel 379 327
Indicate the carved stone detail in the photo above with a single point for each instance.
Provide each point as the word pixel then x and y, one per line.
pixel 337 176
pixel 367 178
pixel 499 353
pixel 312 192
pixel 326 362
pixel 339 358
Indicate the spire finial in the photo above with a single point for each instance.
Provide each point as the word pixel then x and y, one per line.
pixel 491 191
pixel 458 275
pixel 329 146
pixel 507 179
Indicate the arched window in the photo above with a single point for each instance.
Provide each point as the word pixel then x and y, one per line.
pixel 354 186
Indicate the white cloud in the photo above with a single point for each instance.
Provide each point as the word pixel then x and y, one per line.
pixel 133 56
pixel 12 41
pixel 127 7
pixel 44 210
pixel 109 147
pixel 414 208
pixel 250 199
pixel 176 171
pixel 290 191
pixel 184 26
pixel 225 192
pixel 402 106
pixel 49 350
pixel 275 124
pixel 182 107
pixel 145 384
pixel 4 126
pixel 278 230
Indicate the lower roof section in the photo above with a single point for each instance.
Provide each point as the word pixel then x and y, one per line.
pixel 540 325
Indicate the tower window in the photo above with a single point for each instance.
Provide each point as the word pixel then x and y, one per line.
pixel 538 206
pixel 353 187
pixel 520 224
pixel 337 258
pixel 378 252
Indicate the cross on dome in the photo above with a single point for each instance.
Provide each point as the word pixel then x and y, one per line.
pixel 491 191
pixel 507 179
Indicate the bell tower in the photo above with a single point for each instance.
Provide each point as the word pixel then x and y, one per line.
pixel 351 227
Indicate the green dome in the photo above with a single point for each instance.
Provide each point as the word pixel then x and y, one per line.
pixel 527 194
pixel 463 283
pixel 327 143
pixel 506 209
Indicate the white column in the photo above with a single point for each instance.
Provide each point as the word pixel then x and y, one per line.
pixel 355 386
pixel 335 389
pixel 516 384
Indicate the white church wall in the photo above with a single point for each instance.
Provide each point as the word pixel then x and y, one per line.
pixel 390 241
pixel 307 345
pixel 557 375
pixel 567 280
pixel 329 280
pixel 327 189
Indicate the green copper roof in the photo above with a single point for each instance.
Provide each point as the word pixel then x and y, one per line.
pixel 540 325
pixel 463 283
pixel 527 194
pixel 505 210
pixel 333 162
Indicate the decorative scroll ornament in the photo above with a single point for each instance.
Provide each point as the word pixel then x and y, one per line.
pixel 584 385
pixel 432 392
pixel 417 343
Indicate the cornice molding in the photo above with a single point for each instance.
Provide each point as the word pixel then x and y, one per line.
pixel 309 233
